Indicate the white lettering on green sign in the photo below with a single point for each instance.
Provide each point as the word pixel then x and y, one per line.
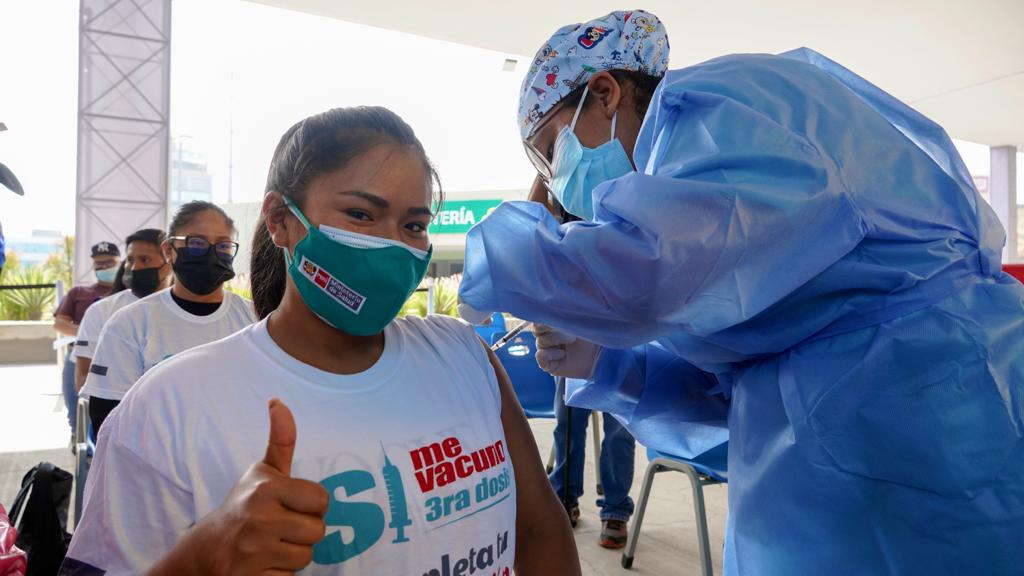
pixel 458 217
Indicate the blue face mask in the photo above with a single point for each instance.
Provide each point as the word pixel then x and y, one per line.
pixel 578 170
pixel 106 276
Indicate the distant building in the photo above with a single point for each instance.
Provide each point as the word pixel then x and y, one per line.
pixel 37 248
pixel 189 177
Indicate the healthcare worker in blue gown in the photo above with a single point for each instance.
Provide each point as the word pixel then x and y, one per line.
pixel 817 246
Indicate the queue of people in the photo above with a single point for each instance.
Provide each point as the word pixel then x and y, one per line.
pixel 794 256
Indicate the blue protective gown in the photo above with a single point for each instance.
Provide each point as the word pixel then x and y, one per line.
pixel 820 248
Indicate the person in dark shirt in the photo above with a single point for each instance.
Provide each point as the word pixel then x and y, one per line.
pixel 106 257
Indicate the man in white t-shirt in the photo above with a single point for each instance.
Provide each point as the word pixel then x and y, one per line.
pixel 145 272
pixel 147 332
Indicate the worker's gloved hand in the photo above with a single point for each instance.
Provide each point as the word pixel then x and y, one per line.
pixel 562 354
pixel 474 316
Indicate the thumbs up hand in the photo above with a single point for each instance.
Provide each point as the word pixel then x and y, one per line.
pixel 267 524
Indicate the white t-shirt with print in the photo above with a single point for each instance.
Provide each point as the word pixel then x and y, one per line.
pixel 141 335
pixel 412 452
pixel 95 317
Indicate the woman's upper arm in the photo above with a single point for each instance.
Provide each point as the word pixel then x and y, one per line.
pixel 532 486
pixel 544 541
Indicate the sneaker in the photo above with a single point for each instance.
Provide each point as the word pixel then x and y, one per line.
pixel 613 534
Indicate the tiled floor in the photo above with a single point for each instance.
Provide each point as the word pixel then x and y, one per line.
pixel 34 427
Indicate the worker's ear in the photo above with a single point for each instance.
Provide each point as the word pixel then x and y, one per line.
pixel 605 89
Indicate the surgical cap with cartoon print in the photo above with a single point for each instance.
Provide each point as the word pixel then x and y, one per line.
pixel 626 40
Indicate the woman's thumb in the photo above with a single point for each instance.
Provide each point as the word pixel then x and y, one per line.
pixel 281 444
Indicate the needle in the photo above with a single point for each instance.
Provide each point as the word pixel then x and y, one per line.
pixel 509 336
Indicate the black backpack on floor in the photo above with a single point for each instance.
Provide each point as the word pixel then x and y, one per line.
pixel 40 514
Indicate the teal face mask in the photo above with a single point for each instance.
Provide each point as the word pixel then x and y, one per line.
pixel 578 170
pixel 354 282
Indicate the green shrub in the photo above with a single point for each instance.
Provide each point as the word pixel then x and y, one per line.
pixel 446 298
pixel 239 285
pixel 26 304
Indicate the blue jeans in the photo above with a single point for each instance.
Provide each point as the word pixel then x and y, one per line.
pixel 68 389
pixel 617 454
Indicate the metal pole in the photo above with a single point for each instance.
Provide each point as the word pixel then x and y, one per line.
pixel 566 472
pixel 1003 192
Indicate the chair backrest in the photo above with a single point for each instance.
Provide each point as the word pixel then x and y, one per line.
pixel 534 387
pixel 714 462
pixel 497 326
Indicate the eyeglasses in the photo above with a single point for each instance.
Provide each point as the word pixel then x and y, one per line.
pixel 537 158
pixel 540 163
pixel 199 246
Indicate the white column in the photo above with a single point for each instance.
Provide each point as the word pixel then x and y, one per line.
pixel 1003 192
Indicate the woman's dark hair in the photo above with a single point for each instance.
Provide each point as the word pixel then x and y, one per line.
pixel 189 211
pixel 643 84
pixel 118 284
pixel 312 148
pixel 156 237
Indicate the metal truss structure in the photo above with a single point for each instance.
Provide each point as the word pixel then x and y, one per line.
pixel 123 122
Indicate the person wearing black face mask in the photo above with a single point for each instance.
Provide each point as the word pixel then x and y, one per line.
pixel 145 271
pixel 148 270
pixel 197 255
pixel 202 265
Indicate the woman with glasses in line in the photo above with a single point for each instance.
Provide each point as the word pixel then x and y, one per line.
pixel 194 310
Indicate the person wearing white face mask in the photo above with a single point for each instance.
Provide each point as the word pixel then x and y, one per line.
pixel 577 169
pixel 799 265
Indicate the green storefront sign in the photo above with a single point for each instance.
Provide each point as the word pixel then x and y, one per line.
pixel 457 217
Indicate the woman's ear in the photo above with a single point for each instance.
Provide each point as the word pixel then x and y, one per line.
pixel 275 214
pixel 168 251
pixel 606 90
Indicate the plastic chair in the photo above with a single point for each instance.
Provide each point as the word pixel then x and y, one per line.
pixel 496 327
pixel 535 388
pixel 85 446
pixel 708 469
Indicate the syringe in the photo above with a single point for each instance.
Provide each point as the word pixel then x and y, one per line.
pixel 509 336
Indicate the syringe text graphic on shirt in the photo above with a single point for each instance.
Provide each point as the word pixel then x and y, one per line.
pixel 396 500
pixel 442 463
pixel 365 520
